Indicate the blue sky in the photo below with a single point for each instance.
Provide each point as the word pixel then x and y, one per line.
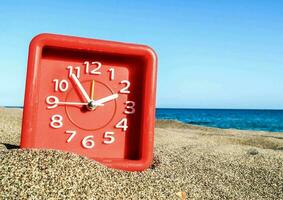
pixel 212 54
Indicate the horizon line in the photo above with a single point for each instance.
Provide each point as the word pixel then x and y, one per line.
pixel 188 108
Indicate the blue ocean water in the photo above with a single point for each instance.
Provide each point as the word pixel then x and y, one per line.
pixel 260 120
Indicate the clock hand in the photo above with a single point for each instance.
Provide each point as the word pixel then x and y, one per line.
pixel 105 99
pixel 71 103
pixel 78 83
pixel 76 103
pixel 92 90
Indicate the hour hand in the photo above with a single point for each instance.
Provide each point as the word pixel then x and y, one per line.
pixel 81 88
pixel 105 99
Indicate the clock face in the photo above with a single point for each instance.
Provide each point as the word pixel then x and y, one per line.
pixel 90 102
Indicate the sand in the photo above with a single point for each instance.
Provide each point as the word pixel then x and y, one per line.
pixel 205 163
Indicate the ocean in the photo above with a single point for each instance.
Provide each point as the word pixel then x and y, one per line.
pixel 242 119
pixel 259 120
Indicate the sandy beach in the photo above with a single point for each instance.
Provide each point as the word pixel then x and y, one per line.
pixel 205 163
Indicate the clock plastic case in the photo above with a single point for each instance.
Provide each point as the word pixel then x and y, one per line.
pixel 133 150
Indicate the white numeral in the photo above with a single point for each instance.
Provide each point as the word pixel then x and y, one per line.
pixel 127 84
pixel 109 138
pixel 122 124
pixel 76 70
pixel 56 121
pixel 88 142
pixel 97 65
pixel 73 133
pixel 61 85
pixel 52 101
pixel 112 73
pixel 130 107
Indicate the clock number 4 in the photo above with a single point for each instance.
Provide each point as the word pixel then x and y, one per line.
pixel 94 71
pixel 122 124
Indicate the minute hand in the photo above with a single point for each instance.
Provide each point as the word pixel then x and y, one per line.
pixel 78 83
pixel 106 99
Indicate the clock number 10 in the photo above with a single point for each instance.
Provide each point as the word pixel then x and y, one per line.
pixel 61 86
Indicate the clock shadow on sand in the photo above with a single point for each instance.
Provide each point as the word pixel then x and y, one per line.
pixel 10 146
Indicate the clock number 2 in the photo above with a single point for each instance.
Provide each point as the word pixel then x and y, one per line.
pixel 125 90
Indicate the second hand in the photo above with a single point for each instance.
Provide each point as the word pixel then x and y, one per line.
pixel 92 90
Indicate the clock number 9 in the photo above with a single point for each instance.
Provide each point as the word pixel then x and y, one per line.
pixel 52 101
pixel 56 121
pixel 94 71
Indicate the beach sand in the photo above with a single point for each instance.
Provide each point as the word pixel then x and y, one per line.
pixel 205 163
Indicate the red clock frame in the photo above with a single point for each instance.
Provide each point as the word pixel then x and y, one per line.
pixel 140 145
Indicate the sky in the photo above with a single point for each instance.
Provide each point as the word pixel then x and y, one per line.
pixel 212 53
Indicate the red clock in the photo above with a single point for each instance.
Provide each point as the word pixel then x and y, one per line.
pixel 92 97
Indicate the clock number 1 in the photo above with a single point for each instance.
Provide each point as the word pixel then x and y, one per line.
pixel 112 73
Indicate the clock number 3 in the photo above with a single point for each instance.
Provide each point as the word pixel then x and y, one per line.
pixel 56 121
pixel 130 107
